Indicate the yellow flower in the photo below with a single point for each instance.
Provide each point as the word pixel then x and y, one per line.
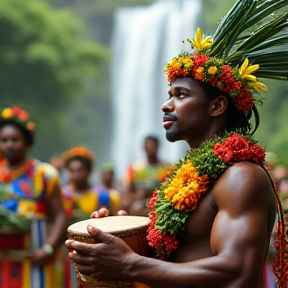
pixel 7 113
pixel 246 70
pixel 212 70
pixel 186 188
pixel 257 86
pixel 200 42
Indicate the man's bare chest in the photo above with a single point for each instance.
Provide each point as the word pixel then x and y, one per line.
pixel 195 243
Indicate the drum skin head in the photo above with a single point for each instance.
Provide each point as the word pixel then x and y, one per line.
pixel 115 225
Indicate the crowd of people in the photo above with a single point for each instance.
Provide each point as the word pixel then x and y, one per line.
pixel 38 201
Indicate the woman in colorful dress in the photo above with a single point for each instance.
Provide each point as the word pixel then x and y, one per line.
pixel 80 197
pixel 29 195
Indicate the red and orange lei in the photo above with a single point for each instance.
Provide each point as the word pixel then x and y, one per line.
pixel 182 191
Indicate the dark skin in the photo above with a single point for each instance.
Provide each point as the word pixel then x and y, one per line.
pixel 107 179
pixel 228 235
pixel 78 175
pixel 14 148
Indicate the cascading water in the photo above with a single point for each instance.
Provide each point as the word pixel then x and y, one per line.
pixel 143 41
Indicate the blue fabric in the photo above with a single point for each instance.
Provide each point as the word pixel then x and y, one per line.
pixel 103 197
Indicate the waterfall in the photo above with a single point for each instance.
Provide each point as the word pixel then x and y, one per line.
pixel 144 39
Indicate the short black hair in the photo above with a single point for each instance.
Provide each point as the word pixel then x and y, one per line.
pixel 236 119
pixel 153 138
pixel 28 135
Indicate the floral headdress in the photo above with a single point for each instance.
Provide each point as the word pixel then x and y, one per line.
pixel 252 29
pixel 80 153
pixel 19 116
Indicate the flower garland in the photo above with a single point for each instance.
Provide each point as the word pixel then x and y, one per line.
pixel 20 116
pixel 193 176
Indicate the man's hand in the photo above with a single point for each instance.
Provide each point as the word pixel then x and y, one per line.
pixel 109 259
pixel 104 212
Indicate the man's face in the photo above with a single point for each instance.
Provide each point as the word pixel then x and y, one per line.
pixel 13 145
pixel 78 172
pixel 186 113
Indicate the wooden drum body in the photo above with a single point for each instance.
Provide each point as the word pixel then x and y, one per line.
pixel 131 229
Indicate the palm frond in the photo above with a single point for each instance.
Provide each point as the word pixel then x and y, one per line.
pixel 263 10
pixel 257 30
pixel 265 32
pixel 230 27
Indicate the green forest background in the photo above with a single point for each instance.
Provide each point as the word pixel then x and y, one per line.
pixel 54 63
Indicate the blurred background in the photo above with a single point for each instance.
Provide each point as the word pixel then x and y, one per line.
pixel 91 73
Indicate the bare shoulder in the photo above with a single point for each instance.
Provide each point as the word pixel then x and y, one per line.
pixel 244 184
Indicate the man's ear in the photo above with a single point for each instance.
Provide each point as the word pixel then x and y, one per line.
pixel 218 106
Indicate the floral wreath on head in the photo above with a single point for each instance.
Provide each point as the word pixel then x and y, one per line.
pixel 18 116
pixel 80 153
pixel 222 59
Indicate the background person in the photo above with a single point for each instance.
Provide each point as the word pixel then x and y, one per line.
pixel 81 197
pixel 107 188
pixel 142 178
pixel 30 198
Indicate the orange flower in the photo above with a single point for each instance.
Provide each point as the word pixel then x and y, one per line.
pixel 199 73
pixel 31 126
pixel 186 188
pixel 212 70
pixel 23 115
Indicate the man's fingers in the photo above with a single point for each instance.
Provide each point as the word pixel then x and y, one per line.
pixel 80 259
pixel 82 248
pixel 98 235
pixel 122 213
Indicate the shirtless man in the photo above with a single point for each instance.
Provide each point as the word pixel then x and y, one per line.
pixel 227 237
pixel 221 191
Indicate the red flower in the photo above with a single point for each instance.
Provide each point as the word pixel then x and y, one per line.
pixel 235 147
pixel 244 100
pixel 213 81
pixel 258 154
pixel 170 242
pixel 23 115
pixel 152 200
pixel 222 152
pixel 200 59
pixel 16 111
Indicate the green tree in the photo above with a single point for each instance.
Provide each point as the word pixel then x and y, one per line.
pixel 44 62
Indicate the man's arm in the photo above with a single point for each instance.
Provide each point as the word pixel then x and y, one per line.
pixel 239 240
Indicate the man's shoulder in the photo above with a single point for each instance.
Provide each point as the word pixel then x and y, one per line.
pixel 244 182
